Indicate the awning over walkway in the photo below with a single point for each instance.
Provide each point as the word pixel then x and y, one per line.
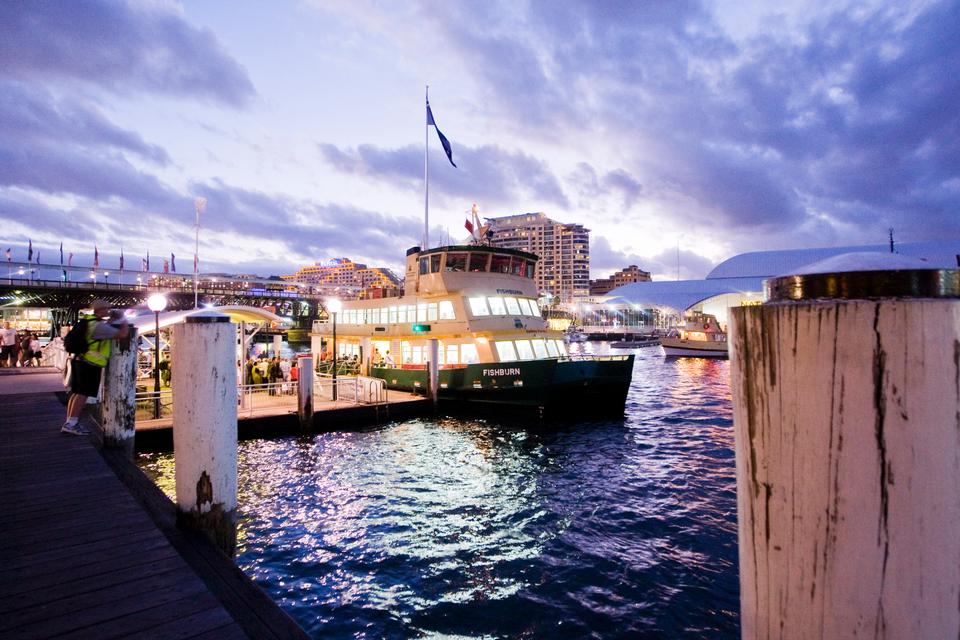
pixel 237 313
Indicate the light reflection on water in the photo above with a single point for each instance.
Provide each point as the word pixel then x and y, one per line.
pixel 483 529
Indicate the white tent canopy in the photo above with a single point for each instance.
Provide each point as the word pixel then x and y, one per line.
pixel 237 313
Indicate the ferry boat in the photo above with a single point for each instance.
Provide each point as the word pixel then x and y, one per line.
pixel 701 337
pixel 477 307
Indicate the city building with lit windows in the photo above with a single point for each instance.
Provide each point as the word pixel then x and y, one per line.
pixel 564 251
pixel 633 273
pixel 348 275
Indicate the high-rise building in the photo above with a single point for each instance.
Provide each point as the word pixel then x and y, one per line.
pixel 633 273
pixel 564 250
pixel 347 274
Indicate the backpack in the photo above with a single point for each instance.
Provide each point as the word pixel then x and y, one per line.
pixel 75 342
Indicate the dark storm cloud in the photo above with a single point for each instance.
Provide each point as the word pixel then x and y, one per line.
pixel 486 174
pixel 855 111
pixel 119 46
pixel 591 186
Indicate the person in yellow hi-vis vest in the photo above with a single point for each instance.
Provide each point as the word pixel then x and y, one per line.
pixel 86 369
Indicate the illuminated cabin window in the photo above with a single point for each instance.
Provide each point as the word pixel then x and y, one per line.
pixel 552 349
pixel 431 312
pixel 446 310
pixel 505 351
pixel 518 266
pixel 513 307
pixel 456 262
pixel 449 354
pixel 500 264
pixel 421 312
pixel 478 262
pixel 524 350
pixel 468 354
pixel 402 314
pixel 539 348
pixel 478 306
pixel 561 347
pixel 392 315
pixel 497 307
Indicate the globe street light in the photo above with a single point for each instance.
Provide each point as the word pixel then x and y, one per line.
pixel 333 308
pixel 156 303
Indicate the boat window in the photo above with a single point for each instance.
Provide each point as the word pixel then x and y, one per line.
pixel 478 307
pixel 432 312
pixel 392 315
pixel 500 264
pixel 402 314
pixel 505 351
pixel 531 268
pixel 446 310
pixel 513 307
pixel 517 266
pixel 456 262
pixel 435 263
pixel 424 266
pixel 421 313
pixel 478 261
pixel 561 347
pixel 452 354
pixel 496 306
pixel 529 307
pixel 552 349
pixel 383 315
pixel 524 350
pixel 468 354
pixel 539 348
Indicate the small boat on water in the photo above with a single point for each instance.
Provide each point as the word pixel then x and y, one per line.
pixel 635 344
pixel 475 308
pixel 574 335
pixel 701 337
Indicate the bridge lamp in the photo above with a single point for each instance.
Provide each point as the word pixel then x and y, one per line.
pixel 334 306
pixel 156 303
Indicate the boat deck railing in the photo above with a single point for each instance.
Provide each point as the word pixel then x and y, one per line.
pixel 577 357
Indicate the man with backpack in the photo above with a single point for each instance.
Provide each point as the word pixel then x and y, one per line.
pixel 88 344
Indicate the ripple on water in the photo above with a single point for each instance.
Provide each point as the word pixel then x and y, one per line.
pixel 482 529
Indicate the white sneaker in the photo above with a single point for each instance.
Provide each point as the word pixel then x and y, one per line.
pixel 74 429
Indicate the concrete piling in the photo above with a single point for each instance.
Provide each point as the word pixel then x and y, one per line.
pixel 205 426
pixel 433 369
pixel 118 407
pixel 847 422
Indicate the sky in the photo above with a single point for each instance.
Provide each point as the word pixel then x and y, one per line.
pixel 690 130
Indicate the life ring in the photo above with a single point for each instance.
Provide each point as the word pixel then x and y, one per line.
pixel 706 325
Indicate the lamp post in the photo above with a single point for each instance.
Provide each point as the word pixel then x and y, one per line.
pixel 198 205
pixel 156 303
pixel 333 308
pixel 106 279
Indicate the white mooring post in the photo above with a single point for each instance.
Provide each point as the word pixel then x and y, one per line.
pixel 846 393
pixel 305 390
pixel 277 343
pixel 205 426
pixel 118 408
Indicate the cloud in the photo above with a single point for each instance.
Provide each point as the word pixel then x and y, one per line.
pixel 605 260
pixel 118 46
pixel 489 174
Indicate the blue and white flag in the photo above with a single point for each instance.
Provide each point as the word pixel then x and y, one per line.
pixel 443 139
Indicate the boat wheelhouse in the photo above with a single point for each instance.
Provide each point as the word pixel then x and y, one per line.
pixel 701 337
pixel 476 306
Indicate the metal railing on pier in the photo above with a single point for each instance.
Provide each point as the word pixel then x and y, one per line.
pixel 353 389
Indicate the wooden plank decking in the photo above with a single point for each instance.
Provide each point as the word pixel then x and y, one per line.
pixel 86 555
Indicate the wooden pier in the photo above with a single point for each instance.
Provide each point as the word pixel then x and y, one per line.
pixel 89 547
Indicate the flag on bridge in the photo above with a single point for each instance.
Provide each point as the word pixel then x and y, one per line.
pixel 147 262
pixel 173 263
pixel 30 251
pixel 96 257
pixel 61 254
pixel 121 258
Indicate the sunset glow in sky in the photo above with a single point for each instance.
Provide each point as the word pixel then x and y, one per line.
pixel 721 127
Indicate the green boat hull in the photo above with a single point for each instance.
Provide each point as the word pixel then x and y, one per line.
pixel 557 387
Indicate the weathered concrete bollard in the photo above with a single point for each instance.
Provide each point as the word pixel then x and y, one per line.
pixel 119 405
pixel 846 391
pixel 433 369
pixel 305 391
pixel 205 426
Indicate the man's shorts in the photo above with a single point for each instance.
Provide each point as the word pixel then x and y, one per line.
pixel 85 378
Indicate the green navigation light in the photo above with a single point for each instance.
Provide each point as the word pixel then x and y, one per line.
pixel 421 328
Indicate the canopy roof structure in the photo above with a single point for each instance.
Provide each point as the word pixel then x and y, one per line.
pixel 680 294
pixel 744 274
pixel 237 313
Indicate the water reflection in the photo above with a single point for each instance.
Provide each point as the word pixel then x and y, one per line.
pixel 486 529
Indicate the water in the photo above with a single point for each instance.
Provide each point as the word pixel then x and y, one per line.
pixel 480 529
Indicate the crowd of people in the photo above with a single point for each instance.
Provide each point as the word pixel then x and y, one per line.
pixel 275 371
pixel 19 349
